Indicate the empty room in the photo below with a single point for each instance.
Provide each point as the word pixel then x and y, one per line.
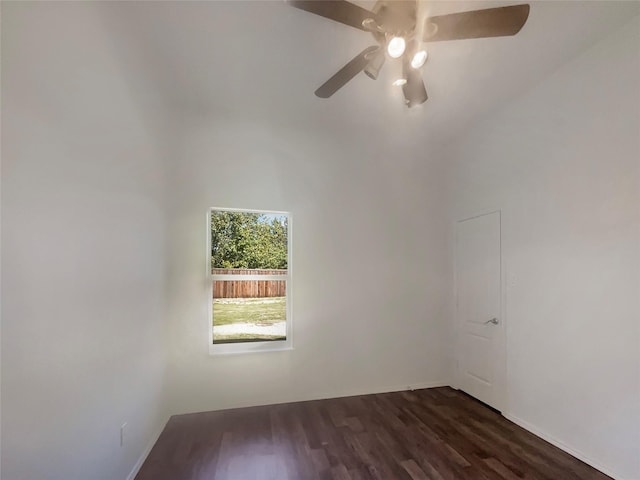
pixel 320 240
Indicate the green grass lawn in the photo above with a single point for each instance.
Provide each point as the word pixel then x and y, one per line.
pixel 263 311
pixel 258 311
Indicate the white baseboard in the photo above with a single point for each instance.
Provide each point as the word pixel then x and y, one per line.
pixel 317 396
pixel 147 450
pixel 563 446
pixel 397 388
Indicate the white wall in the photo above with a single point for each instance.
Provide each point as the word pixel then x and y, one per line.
pixel 83 226
pixel 562 163
pixel 368 236
pixel 82 249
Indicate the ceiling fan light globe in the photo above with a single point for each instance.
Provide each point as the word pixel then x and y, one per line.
pixel 375 64
pixel 396 47
pixel 419 58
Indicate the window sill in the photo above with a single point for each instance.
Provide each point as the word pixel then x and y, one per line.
pixel 247 348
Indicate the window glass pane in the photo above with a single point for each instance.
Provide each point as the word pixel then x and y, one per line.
pixel 244 240
pixel 249 311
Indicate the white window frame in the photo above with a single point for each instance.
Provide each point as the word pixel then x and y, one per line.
pixel 250 347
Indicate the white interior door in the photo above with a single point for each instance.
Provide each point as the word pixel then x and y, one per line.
pixel 480 330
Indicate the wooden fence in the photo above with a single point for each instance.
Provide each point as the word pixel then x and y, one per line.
pixel 248 288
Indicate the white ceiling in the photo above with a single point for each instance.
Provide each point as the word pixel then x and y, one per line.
pixel 261 61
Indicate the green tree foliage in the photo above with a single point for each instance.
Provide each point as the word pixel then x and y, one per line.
pixel 248 240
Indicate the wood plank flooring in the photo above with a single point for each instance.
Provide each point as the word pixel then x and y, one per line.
pixel 431 434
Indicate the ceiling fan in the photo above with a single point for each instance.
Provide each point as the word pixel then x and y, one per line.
pixel 395 28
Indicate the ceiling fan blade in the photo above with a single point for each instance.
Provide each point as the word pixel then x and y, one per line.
pixel 346 73
pixel 491 22
pixel 414 91
pixel 337 10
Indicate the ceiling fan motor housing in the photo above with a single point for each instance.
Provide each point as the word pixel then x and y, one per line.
pixel 397 18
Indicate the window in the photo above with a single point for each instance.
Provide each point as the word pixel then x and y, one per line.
pixel 250 275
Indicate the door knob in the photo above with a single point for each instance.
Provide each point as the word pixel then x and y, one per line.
pixel 493 321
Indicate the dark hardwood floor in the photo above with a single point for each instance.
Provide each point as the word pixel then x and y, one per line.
pixel 435 434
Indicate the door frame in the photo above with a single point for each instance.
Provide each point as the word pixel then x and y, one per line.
pixel 501 390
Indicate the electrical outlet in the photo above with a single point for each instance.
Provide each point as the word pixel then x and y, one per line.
pixel 123 427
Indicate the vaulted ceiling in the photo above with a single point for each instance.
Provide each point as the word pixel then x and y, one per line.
pixel 261 61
